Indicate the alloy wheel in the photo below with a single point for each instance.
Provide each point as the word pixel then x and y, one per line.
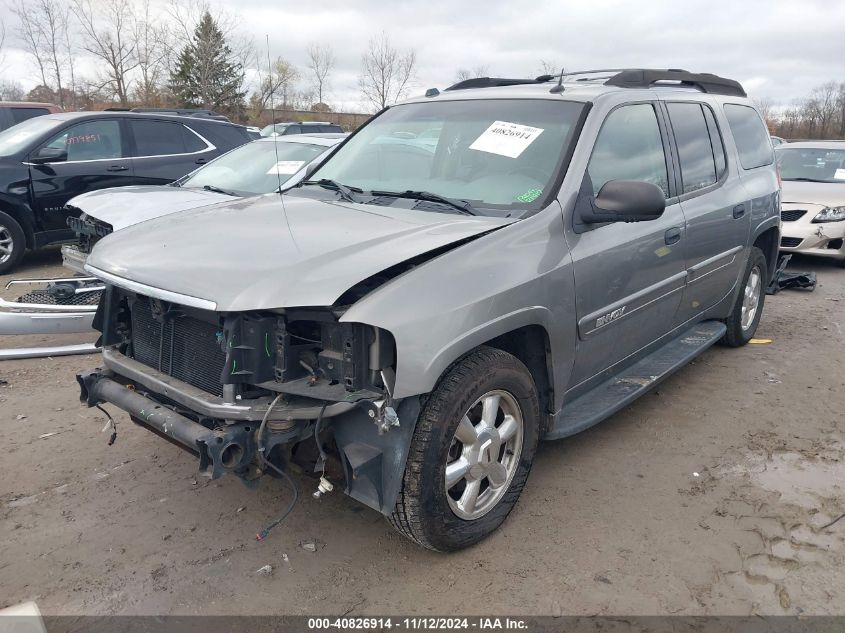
pixel 484 454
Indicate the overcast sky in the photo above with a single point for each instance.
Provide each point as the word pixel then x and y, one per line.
pixel 776 48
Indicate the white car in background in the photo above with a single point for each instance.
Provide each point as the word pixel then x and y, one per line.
pixel 813 198
pixel 253 169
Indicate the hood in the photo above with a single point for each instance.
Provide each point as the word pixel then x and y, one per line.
pixel 827 194
pixel 125 206
pixel 254 254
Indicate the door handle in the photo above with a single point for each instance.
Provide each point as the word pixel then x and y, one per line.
pixel 672 236
pixel 116 168
pixel 739 211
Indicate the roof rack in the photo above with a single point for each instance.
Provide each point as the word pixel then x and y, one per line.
pixel 706 82
pixel 495 82
pixel 622 78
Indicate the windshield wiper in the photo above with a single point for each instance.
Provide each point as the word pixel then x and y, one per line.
pixel 344 190
pixel 803 179
pixel 219 190
pixel 461 205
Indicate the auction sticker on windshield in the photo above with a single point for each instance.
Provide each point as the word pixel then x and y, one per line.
pixel 506 139
pixel 286 167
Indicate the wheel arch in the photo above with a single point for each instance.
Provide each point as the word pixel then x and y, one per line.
pixel 531 345
pixel 768 241
pixel 22 216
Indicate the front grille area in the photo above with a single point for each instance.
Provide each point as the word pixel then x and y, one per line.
pixel 178 345
pixel 790 242
pixel 791 215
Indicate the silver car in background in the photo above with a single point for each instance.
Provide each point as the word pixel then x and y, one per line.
pixel 813 198
pixel 253 169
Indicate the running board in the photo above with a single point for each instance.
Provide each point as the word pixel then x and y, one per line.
pixel 616 393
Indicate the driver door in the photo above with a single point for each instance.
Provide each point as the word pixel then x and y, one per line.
pixel 96 159
pixel 629 277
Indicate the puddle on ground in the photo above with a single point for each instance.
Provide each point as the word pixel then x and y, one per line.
pixel 800 480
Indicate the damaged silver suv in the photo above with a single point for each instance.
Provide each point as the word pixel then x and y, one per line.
pixel 471 272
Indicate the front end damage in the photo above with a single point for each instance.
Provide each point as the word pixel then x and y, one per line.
pixel 244 391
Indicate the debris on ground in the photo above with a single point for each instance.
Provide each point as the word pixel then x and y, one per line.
pixel 760 341
pixel 267 570
pixel 782 280
pixel 309 546
pixel 20 416
pixel 46 435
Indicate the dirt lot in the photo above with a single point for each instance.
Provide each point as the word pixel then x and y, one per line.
pixel 705 497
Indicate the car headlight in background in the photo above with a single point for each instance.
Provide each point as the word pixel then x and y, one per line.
pixel 830 214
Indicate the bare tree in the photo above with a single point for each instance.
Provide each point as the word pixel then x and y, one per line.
pixel 277 83
pixel 43 30
pixel 548 67
pixel 826 106
pixel 840 98
pixel 462 74
pixel 108 35
pixel 385 72
pixel 152 42
pixel 321 61
pixel 765 106
pixel 11 90
pixel 2 42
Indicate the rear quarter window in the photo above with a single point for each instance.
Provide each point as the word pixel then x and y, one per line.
pixel 750 135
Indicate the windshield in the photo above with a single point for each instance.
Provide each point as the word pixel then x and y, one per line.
pixel 253 168
pixel 498 154
pixel 811 163
pixel 18 137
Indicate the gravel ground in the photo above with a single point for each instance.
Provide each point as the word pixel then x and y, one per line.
pixel 708 496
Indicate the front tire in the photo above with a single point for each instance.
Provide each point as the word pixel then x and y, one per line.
pixel 12 243
pixel 471 452
pixel 748 307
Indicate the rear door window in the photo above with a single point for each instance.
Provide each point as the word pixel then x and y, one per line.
pixel 22 114
pixel 750 135
pixel 157 138
pixel 629 147
pixel 695 151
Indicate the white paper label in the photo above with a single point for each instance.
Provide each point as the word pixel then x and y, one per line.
pixel 839 174
pixel 286 167
pixel 506 139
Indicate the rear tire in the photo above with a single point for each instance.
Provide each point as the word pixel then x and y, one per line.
pixel 491 396
pixel 12 243
pixel 748 307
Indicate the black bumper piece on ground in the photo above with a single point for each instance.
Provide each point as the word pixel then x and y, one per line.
pixel 231 447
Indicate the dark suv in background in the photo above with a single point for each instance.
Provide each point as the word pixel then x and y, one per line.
pixel 49 159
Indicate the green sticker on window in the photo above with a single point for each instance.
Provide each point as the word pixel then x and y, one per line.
pixel 530 196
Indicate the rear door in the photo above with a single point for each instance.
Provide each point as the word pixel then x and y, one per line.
pixel 164 151
pixel 714 205
pixel 629 277
pixel 97 158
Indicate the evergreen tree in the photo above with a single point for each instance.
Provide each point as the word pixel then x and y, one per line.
pixel 207 74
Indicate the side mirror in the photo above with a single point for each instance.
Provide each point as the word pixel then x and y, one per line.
pixel 48 155
pixel 625 201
